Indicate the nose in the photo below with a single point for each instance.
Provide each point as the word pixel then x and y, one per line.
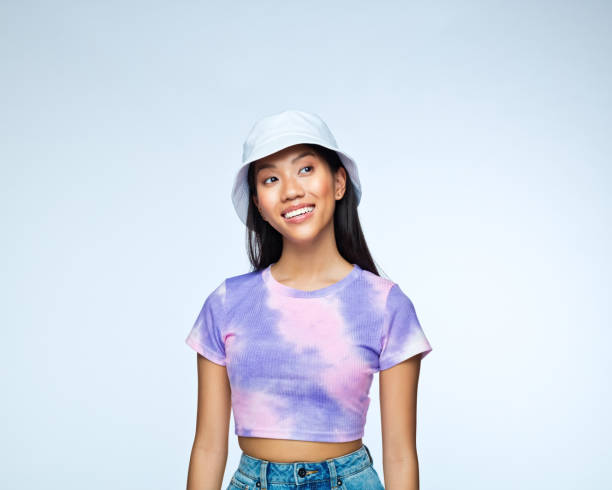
pixel 292 189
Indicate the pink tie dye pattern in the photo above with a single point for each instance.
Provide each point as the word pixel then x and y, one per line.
pixel 301 363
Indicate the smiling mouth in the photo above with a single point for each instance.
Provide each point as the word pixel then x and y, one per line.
pixel 298 212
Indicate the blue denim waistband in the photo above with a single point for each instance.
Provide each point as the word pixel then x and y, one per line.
pixel 300 472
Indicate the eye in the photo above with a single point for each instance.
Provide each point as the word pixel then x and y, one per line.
pixel 268 179
pixel 309 166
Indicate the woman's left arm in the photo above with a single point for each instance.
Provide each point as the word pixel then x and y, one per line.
pixel 398 406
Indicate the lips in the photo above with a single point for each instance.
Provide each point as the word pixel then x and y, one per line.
pixel 297 206
pixel 299 217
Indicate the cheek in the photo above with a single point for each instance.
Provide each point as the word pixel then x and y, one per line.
pixel 322 188
pixel 267 201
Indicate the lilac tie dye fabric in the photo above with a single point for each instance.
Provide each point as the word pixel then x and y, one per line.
pixel 300 363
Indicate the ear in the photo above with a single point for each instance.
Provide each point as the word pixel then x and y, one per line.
pixel 340 183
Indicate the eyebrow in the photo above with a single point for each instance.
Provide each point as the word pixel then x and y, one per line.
pixel 293 160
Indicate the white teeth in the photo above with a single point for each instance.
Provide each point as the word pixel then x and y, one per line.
pixel 297 212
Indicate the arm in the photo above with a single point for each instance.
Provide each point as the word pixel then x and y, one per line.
pixel 398 406
pixel 210 445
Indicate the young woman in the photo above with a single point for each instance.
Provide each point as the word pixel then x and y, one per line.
pixel 291 347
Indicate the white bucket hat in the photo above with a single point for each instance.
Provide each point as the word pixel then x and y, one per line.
pixel 276 132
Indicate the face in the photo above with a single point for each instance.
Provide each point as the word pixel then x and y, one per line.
pixel 297 176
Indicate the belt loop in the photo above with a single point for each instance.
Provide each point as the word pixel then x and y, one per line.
pixel 369 455
pixel 333 478
pixel 262 475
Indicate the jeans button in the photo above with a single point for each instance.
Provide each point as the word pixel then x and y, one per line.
pixel 302 472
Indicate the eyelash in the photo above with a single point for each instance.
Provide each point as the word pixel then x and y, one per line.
pixel 307 166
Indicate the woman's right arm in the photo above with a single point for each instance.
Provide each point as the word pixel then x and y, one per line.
pixel 210 445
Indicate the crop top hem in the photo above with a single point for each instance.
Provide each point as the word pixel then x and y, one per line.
pixel 303 436
pixel 207 353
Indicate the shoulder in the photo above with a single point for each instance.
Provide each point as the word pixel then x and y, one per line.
pixel 235 282
pixel 232 287
pixel 242 282
pixel 398 299
pixel 235 288
pixel 377 285
pixel 389 292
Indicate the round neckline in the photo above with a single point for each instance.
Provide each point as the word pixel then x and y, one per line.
pixel 314 293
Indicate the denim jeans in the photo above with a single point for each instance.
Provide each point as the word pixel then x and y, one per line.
pixel 353 471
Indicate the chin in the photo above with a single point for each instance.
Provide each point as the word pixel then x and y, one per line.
pixel 305 233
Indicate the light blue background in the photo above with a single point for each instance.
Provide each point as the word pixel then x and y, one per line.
pixel 483 137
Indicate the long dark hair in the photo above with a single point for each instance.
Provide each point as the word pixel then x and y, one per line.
pixel 265 244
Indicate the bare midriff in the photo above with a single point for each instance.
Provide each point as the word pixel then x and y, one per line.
pixel 290 451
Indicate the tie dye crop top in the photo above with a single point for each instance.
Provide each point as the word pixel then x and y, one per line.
pixel 300 363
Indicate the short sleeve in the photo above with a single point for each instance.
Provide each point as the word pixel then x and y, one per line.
pixel 205 336
pixel 403 336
